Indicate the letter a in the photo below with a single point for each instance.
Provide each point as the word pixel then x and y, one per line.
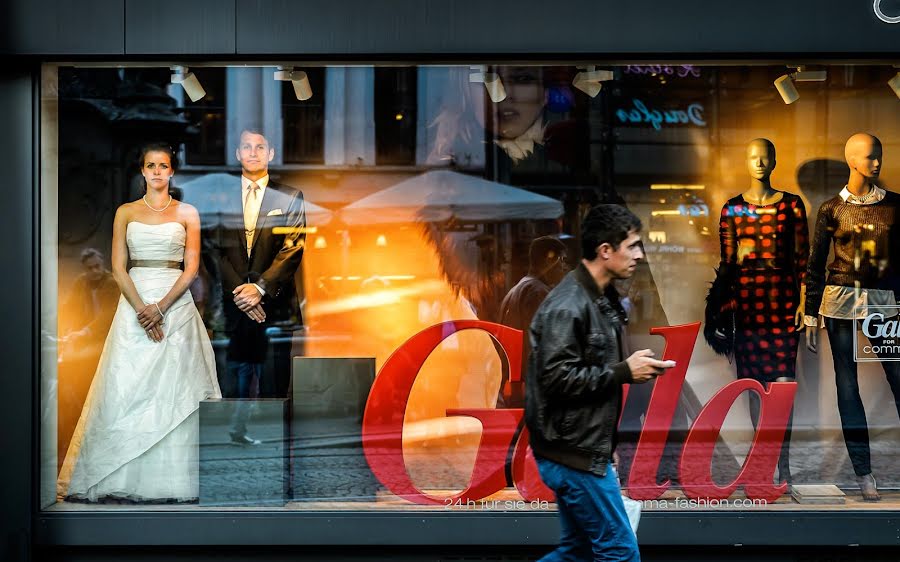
pixel 759 468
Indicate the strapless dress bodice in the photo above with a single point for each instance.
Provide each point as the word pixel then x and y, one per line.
pixel 163 241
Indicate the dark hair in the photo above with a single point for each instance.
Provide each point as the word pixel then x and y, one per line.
pixel 542 249
pixel 606 224
pixel 157 147
pixel 89 253
pixel 253 129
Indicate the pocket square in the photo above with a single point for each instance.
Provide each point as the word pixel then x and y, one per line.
pixel 274 212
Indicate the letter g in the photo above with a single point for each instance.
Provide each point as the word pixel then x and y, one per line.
pixel 867 323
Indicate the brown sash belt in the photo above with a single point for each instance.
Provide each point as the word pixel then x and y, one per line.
pixel 162 264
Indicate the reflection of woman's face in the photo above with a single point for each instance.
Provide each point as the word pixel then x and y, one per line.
pixel 525 99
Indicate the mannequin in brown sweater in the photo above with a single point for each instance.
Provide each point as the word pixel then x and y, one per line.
pixel 863 225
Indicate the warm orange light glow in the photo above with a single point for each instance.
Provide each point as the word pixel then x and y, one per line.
pixel 320 244
pixel 689 186
pixel 366 299
pixel 282 230
pixel 657 236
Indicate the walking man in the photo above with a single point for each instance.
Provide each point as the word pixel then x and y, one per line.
pixel 573 390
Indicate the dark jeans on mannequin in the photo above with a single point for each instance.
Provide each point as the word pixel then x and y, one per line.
pixel 850 405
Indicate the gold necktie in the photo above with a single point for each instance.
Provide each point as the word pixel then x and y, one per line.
pixel 251 210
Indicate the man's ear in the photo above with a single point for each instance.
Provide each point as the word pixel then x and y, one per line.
pixel 237 154
pixel 604 250
pixel 271 154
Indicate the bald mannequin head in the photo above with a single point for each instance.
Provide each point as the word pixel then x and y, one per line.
pixel 863 155
pixel 760 159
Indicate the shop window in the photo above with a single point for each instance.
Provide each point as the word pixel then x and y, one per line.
pixel 391 254
pixel 304 121
pixel 395 115
pixel 206 144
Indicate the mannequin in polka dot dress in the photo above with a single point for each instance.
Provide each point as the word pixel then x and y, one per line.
pixel 765 248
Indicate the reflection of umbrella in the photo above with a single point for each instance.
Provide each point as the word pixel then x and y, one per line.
pixel 209 194
pixel 440 195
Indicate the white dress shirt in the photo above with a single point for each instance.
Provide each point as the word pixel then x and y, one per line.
pixel 251 205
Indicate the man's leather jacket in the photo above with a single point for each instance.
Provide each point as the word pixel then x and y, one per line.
pixel 573 386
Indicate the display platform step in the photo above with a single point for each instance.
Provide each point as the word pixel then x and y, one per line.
pixel 817 494
pixel 244 452
pixel 328 402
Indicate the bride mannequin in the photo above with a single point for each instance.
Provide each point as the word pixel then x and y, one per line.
pixel 137 438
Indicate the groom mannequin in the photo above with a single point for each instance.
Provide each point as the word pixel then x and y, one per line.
pixel 258 252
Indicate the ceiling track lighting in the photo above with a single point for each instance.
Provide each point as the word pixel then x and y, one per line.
pixel 589 80
pixel 491 81
pixel 298 79
pixel 894 82
pixel 785 83
pixel 181 75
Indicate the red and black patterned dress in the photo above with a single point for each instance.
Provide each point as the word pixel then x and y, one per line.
pixel 765 248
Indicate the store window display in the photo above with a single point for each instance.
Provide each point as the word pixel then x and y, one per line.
pixel 396 251
pixel 860 223
pixel 764 249
pixel 137 438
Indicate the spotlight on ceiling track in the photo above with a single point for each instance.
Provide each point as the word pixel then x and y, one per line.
pixel 192 87
pixel 589 79
pixel 894 82
pixel 491 81
pixel 785 83
pixel 298 79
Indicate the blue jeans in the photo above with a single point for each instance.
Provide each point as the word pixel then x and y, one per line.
pixel 592 518
pixel 244 378
pixel 850 404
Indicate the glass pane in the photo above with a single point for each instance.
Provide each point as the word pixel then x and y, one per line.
pixel 304 121
pixel 344 283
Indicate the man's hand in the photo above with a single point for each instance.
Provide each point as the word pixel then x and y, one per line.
pixel 644 367
pixel 149 316
pixel 257 314
pixel 246 297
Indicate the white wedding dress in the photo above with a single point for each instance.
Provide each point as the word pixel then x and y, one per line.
pixel 138 435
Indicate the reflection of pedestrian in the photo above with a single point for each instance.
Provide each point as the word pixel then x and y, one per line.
pixel 84 320
pixel 546 266
pixel 88 310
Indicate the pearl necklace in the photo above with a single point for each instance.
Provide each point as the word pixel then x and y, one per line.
pixel 144 199
pixel 864 199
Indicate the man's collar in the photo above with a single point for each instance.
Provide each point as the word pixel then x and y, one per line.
pixel 607 300
pixel 261 182
pixel 878 196
pixel 586 280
